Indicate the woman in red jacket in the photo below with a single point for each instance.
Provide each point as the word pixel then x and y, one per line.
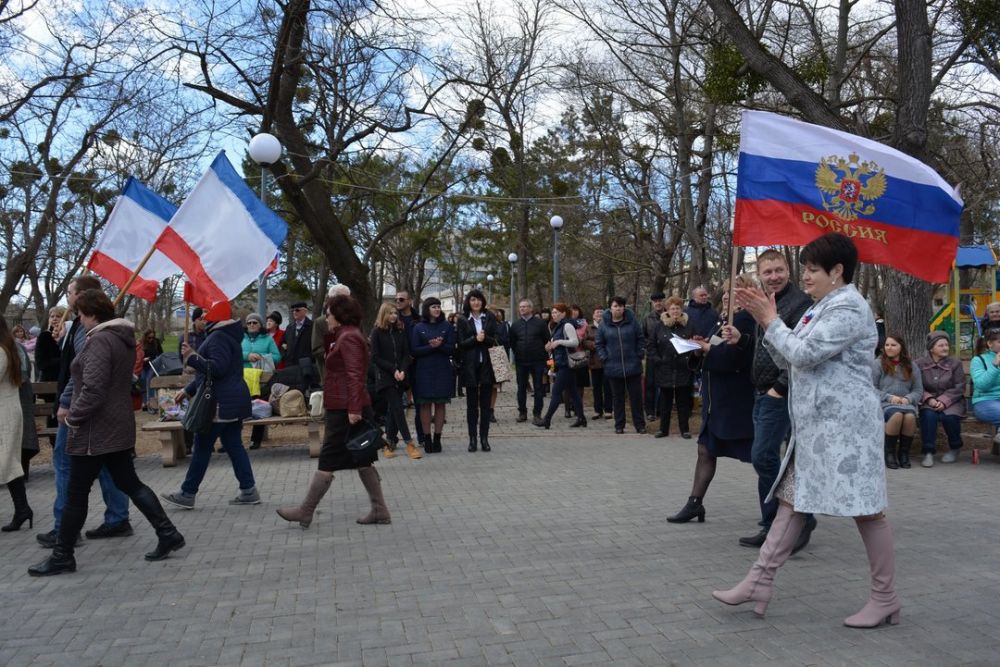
pixel 346 400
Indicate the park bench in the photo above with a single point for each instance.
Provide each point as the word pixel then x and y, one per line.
pixel 171 433
pixel 45 407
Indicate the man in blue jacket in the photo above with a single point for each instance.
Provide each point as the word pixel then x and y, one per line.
pixel 620 345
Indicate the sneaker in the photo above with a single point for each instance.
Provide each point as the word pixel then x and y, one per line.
pixel 928 460
pixel 105 530
pixel 686 435
pixel 950 456
pixel 179 499
pixel 252 498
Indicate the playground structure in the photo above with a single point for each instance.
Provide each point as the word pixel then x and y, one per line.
pixel 978 265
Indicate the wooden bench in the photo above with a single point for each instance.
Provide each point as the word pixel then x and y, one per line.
pixel 172 435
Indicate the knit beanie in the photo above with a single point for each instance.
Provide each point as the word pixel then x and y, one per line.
pixel 934 336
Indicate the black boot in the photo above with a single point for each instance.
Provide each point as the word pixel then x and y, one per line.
pixel 427 444
pixel 692 509
pixel 581 422
pixel 169 539
pixel 60 561
pixel 436 443
pixel 891 441
pixel 473 445
pixel 22 511
pixel 903 453
pixel 545 422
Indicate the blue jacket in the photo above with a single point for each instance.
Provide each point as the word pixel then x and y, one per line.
pixel 702 318
pixel 726 389
pixel 433 376
pixel 620 346
pixel 221 351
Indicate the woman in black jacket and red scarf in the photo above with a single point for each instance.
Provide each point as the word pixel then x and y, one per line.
pixel 391 356
pixel 478 331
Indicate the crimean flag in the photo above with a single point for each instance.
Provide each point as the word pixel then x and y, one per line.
pixel 798 181
pixel 222 236
pixel 136 221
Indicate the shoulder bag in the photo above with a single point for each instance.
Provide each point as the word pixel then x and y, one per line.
pixel 364 439
pixel 202 408
pixel 500 363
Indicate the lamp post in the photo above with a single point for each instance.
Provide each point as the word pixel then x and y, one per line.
pixel 556 223
pixel 489 292
pixel 265 150
pixel 512 258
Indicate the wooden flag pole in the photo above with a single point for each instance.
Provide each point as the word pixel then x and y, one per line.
pixel 135 274
pixel 732 273
pixel 187 320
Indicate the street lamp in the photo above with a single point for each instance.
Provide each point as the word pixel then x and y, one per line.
pixel 556 223
pixel 512 258
pixel 265 150
pixel 489 292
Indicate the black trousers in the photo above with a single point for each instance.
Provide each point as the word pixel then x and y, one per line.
pixel 395 416
pixel 602 392
pixel 536 372
pixel 650 390
pixel 682 395
pixel 565 381
pixel 477 413
pixel 633 385
pixel 82 473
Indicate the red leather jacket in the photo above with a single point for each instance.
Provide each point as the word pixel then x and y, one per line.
pixel 344 386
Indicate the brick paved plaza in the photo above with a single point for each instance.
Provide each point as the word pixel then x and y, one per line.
pixel 551 550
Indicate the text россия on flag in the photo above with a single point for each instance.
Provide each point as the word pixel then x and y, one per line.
pixel 136 221
pixel 798 181
pixel 222 237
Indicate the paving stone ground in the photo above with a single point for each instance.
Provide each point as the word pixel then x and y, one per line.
pixel 551 550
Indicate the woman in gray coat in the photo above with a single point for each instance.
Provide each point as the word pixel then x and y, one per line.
pixel 833 463
pixel 101 425
pixel 897 380
pixel 943 400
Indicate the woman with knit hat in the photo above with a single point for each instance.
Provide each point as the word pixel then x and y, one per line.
pixel 257 344
pixel 943 398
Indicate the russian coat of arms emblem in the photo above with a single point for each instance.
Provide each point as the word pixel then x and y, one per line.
pixel 849 187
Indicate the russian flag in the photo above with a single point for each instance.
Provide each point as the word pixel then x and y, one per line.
pixel 798 181
pixel 222 236
pixel 136 221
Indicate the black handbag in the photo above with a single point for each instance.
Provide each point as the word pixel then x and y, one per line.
pixel 364 439
pixel 202 408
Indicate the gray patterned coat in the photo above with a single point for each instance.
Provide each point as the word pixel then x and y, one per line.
pixel 837 425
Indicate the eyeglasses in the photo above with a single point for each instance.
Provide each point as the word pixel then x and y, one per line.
pixel 400 299
pixel 253 324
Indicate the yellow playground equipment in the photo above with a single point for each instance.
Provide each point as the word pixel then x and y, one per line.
pixel 978 265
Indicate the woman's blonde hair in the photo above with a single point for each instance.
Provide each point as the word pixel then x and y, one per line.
pixel 57 310
pixel 742 280
pixel 382 319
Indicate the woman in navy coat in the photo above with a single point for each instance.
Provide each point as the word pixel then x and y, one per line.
pixel 726 405
pixel 432 343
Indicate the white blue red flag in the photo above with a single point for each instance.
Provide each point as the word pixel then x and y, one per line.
pixel 137 220
pixel 222 236
pixel 798 181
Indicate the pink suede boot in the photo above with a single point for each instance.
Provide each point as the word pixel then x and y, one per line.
pixel 883 605
pixel 756 586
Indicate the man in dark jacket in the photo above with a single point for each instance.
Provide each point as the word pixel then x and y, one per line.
pixel 770 412
pixel 620 345
pixel 196 336
pixel 650 395
pixel 297 344
pixel 700 313
pixel 116 523
pixel 528 336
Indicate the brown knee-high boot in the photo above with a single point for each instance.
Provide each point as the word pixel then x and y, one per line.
pixel 883 605
pixel 317 489
pixel 756 586
pixel 379 513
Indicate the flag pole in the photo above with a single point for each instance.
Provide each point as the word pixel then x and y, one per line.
pixel 732 273
pixel 135 274
pixel 187 320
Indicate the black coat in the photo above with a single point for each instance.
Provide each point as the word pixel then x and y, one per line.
pixel 527 340
pixel 297 345
pixel 476 367
pixel 670 369
pixel 47 357
pixel 390 353
pixel 726 389
pixel 702 318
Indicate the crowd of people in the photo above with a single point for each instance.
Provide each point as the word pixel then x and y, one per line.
pixel 781 365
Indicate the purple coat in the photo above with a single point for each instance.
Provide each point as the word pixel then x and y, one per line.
pixel 945 381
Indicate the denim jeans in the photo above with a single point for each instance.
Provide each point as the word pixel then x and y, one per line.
pixel 231 435
pixel 771 426
pixel 115 502
pixel 565 381
pixel 929 420
pixel 536 371
pixel 146 377
pixel 987 411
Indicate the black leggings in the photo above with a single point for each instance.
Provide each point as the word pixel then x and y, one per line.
pixel 477 404
pixel 83 471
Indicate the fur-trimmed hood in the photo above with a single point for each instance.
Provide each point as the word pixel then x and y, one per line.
pixel 671 322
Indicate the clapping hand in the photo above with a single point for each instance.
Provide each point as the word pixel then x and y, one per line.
pixel 761 306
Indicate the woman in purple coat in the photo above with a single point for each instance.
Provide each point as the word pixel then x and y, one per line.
pixel 432 344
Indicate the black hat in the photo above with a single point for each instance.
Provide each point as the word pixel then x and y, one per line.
pixel 276 316
pixel 298 304
pixel 196 314
pixel 657 296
